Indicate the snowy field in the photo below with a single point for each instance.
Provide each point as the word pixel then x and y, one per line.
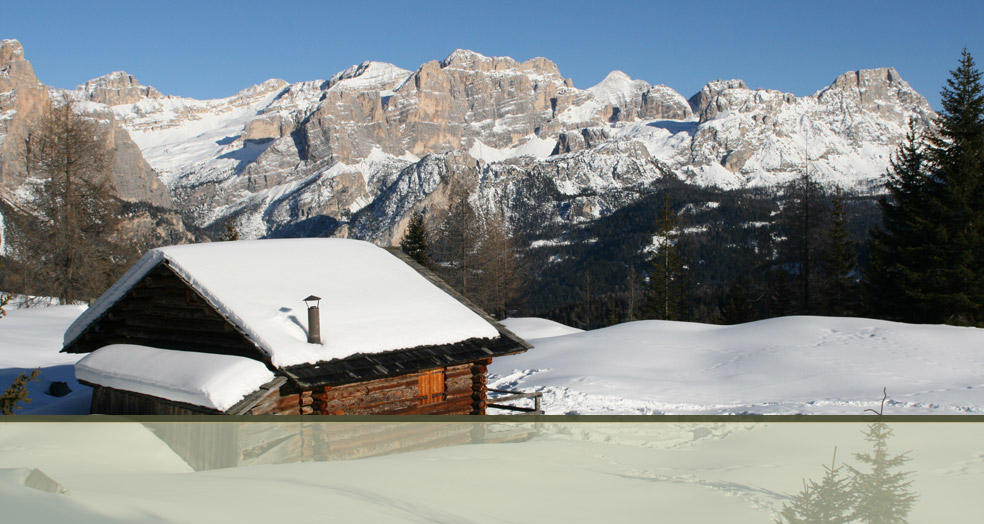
pixel 784 366
pixel 737 472
pixel 792 365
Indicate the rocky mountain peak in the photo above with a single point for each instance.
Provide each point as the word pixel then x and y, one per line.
pixel 368 76
pixel 13 67
pixel 465 58
pixel 703 103
pixel 23 100
pixel 10 50
pixel 878 90
pixel 116 88
pixel 618 87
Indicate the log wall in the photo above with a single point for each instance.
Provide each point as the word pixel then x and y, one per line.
pixel 464 394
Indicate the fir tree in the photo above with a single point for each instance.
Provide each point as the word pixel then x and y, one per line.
pixel 231 233
pixel 17 393
pixel 882 495
pixel 956 158
pixel 927 257
pixel 829 502
pixel 803 217
pixel 664 293
pixel 414 242
pixel 904 249
pixel 839 289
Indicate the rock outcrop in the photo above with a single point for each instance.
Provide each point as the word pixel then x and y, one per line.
pixel 115 89
pixel 352 155
pixel 24 101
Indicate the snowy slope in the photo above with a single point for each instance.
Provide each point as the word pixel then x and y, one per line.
pixel 791 365
pixel 814 365
pixel 572 473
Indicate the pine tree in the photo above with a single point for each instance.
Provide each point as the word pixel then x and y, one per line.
pixel 839 288
pixel 882 495
pixel 17 393
pixel 927 257
pixel 414 242
pixel 904 249
pixel 664 293
pixel 955 155
pixel 803 218
pixel 231 233
pixel 829 502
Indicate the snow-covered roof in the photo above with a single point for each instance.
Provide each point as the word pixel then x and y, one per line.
pixel 371 300
pixel 202 379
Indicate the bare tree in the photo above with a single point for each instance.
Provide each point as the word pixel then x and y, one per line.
pixel 456 245
pixel 67 245
pixel 499 283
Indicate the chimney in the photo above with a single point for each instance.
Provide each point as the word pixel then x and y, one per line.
pixel 314 319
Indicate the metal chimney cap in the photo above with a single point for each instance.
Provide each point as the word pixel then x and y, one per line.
pixel 312 297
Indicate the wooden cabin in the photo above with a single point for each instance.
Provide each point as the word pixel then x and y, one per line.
pixel 223 328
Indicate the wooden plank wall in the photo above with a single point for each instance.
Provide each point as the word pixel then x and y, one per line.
pixel 162 311
pixel 109 401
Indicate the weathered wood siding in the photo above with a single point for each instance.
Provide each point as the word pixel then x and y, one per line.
pixel 464 393
pixel 162 311
pixel 110 401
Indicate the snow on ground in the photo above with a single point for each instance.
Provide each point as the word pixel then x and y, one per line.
pixel 32 338
pixel 532 327
pixel 567 472
pixel 531 145
pixel 812 365
pixel 733 472
pixel 792 365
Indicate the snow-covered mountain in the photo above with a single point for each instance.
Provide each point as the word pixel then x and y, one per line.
pixel 351 155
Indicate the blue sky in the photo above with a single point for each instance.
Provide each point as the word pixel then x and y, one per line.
pixel 208 49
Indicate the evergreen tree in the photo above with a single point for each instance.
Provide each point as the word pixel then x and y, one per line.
pixel 664 293
pixel 803 218
pixel 828 502
pixel 927 257
pixel 231 233
pixel 738 309
pixel 955 155
pixel 882 495
pixel 17 393
pixel 414 242
pixel 839 288
pixel 904 249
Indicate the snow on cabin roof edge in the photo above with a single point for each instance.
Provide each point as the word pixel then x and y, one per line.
pixel 198 265
pixel 112 295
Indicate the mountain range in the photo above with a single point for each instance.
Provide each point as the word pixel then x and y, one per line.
pixel 353 155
